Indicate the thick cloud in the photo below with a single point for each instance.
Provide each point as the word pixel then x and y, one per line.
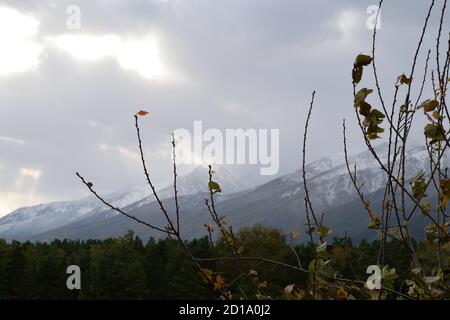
pixel 229 63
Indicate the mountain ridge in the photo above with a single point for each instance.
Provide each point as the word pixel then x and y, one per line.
pixel 277 203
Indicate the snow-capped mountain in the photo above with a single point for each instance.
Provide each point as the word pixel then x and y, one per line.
pixel 329 181
pixel 37 219
pixel 278 203
pixel 34 220
pixel 197 182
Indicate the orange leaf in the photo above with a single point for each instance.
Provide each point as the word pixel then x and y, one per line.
pixel 220 282
pixel 142 113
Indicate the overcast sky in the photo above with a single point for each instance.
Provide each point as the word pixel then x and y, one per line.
pixel 67 96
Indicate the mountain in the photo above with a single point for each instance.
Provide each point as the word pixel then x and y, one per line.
pixel 28 222
pixel 193 183
pixel 278 203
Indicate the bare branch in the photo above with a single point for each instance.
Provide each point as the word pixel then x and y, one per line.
pixel 91 189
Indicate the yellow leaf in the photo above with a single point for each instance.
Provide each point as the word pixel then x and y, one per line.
pixel 220 282
pixel 436 115
pixel 206 275
pixel 294 234
pixel 372 213
pixel 445 188
pixel 341 293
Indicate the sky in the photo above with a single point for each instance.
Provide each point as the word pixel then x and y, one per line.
pixel 69 88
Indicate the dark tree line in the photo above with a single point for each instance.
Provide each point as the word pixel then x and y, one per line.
pixel 128 268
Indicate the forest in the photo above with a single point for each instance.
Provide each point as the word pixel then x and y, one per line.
pixel 127 268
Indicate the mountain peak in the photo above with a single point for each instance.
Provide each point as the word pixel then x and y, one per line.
pixel 197 180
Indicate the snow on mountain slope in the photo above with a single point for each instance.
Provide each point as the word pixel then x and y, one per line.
pixel 37 219
pixel 197 182
pixel 329 181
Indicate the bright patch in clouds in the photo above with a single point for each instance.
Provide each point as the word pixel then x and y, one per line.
pixel 27 179
pixel 24 191
pixel 19 49
pixel 12 200
pixel 27 172
pixel 347 22
pixel 87 47
pixel 139 55
pixel 11 140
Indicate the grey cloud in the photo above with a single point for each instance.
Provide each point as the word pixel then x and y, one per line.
pixel 261 57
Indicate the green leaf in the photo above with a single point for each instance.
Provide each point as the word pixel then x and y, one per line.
pixel 377 114
pixel 360 61
pixel 361 96
pixel 388 275
pixel 363 60
pixel 324 231
pixel 430 131
pixel 312 269
pixel 419 185
pixel 214 186
pixel 445 190
pixel 357 73
pixel 364 108
pixel 426 208
pixel 375 129
pixel 373 136
pixel 430 231
pixel 206 275
pixel 374 224
pixel 371 122
pixel 434 132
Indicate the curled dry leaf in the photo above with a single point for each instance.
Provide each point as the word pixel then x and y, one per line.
pixel 142 113
pixel 404 79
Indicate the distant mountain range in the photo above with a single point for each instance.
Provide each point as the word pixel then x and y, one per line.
pixel 278 203
pixel 28 222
